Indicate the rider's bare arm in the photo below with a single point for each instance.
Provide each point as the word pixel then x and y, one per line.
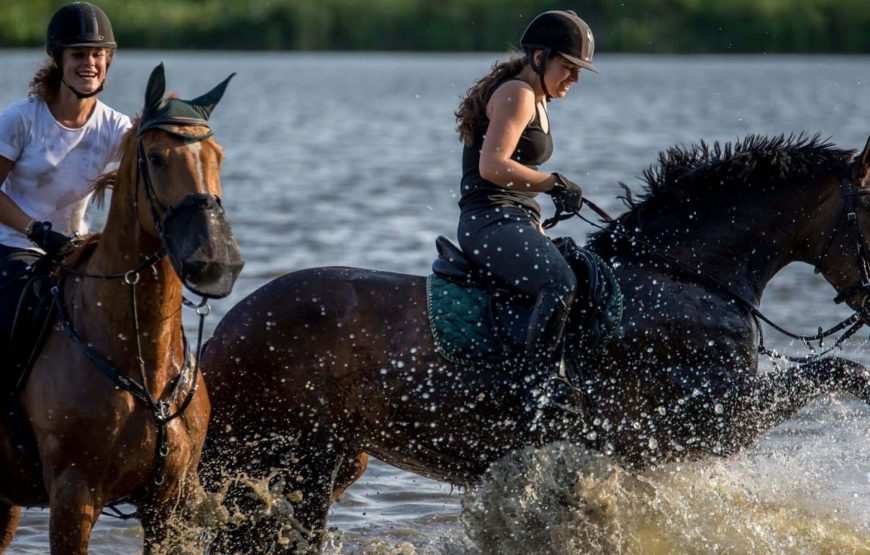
pixel 510 109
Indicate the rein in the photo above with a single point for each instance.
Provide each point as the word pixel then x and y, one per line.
pixel 851 324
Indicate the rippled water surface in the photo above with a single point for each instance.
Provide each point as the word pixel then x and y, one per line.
pixel 351 159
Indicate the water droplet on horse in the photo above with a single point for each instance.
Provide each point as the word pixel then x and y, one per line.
pixel 653 444
pixel 718 408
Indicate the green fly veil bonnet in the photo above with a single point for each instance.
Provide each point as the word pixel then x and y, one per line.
pixel 165 113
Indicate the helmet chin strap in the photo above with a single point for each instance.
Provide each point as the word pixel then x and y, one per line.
pixel 80 95
pixel 540 69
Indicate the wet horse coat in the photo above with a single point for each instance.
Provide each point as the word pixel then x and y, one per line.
pixel 96 441
pixel 321 367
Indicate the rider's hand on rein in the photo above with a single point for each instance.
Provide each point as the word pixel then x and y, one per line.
pixel 567 195
pixel 52 242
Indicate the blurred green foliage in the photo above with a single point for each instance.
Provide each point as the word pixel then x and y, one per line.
pixel 656 26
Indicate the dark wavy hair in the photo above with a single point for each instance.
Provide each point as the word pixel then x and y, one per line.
pixel 46 82
pixel 472 109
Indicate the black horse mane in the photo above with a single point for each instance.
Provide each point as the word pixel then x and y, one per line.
pixel 699 173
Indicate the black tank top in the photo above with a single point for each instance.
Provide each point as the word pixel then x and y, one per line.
pixel 533 149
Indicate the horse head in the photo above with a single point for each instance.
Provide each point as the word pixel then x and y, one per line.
pixel 178 191
pixel 844 254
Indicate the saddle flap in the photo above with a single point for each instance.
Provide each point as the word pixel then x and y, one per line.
pixel 451 262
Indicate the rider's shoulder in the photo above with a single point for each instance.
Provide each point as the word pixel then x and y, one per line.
pixel 19 116
pixel 23 107
pixel 515 94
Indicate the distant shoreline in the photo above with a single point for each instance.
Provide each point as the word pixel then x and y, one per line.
pixel 633 26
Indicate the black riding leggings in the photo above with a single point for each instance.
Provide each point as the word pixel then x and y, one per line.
pixel 13 263
pixel 507 242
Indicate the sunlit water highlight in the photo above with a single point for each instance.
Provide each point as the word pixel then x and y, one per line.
pixel 339 159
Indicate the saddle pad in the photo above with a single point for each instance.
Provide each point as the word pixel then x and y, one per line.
pixel 461 321
pixel 603 302
pixel 470 328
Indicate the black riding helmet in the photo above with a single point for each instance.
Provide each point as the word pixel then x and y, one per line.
pixel 562 32
pixel 78 24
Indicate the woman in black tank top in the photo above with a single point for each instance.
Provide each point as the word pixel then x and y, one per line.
pixel 504 125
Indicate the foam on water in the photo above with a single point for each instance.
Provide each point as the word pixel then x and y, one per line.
pixel 564 499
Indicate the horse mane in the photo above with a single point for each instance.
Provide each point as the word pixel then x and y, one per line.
pixel 702 172
pixel 106 181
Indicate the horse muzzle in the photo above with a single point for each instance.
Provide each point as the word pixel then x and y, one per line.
pixel 201 245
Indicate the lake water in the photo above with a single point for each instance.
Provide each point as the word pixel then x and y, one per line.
pixel 351 159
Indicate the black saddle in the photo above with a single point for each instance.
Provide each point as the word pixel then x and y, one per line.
pixel 452 264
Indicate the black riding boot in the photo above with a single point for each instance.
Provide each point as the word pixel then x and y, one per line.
pixel 544 343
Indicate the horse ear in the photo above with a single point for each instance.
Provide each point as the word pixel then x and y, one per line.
pixel 156 89
pixel 206 103
pixel 862 161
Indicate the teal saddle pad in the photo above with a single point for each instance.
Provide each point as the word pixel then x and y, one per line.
pixel 474 326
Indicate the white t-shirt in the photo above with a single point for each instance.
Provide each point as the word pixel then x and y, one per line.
pixel 55 166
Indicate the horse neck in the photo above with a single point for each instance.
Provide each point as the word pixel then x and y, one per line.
pixel 745 244
pixel 121 248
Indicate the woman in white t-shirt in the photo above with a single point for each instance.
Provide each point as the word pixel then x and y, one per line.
pixel 53 144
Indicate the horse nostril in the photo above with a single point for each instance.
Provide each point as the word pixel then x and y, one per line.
pixel 195 267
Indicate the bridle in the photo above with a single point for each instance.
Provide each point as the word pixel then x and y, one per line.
pixel 852 324
pixel 194 200
pixel 862 258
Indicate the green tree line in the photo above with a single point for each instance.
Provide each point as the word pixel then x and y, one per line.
pixel 654 26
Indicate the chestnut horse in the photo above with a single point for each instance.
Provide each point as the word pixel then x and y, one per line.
pixel 117 410
pixel 321 367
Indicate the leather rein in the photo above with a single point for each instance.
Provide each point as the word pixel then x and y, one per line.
pixel 851 324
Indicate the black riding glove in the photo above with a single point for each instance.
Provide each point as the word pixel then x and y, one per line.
pixel 52 242
pixel 567 195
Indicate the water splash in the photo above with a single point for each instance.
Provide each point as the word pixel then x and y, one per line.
pixel 564 499
pixel 195 527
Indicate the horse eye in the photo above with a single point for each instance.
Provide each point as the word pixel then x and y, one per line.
pixel 155 159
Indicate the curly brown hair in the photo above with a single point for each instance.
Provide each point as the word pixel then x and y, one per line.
pixel 46 82
pixel 472 109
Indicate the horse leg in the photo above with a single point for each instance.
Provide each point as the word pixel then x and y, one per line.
pixel 153 520
pixel 349 471
pixel 163 517
pixel 757 403
pixel 319 462
pixel 9 515
pixel 74 510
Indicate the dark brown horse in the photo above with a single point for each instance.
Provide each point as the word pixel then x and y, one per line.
pixel 321 367
pixel 138 435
